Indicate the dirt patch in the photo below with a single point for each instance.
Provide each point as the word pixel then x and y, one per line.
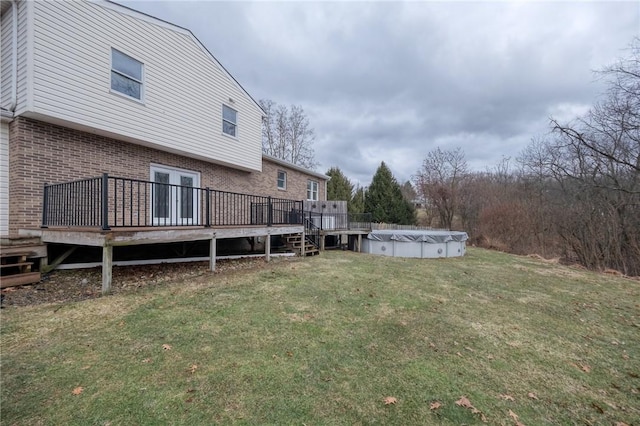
pixel 543 259
pixel 82 284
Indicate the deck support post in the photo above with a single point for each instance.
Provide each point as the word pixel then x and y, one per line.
pixel 303 244
pixel 107 268
pixel 359 248
pixel 44 261
pixel 322 237
pixel 212 254
pixel 267 248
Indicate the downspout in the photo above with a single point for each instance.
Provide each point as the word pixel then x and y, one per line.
pixel 14 56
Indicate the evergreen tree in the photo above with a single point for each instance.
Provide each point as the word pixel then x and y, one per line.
pixel 385 201
pixel 339 186
pixel 408 192
pixel 357 201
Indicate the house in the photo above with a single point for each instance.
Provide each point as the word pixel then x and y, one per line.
pixel 120 128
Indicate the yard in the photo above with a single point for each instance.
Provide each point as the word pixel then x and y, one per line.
pixel 342 338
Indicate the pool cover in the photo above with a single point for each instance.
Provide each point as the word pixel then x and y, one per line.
pixel 434 237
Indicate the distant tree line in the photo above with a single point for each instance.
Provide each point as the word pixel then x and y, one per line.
pixel 574 193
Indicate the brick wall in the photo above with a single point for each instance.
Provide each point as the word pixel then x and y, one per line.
pixel 265 183
pixel 42 153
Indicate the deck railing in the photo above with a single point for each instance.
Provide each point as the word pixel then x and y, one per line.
pixel 109 201
pixel 339 221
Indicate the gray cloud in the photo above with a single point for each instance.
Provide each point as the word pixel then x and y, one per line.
pixel 390 81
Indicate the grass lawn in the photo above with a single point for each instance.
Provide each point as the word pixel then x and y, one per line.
pixel 325 340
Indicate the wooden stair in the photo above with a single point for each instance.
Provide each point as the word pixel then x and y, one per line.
pixel 294 242
pixel 17 260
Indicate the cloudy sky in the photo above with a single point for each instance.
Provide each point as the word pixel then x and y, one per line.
pixel 391 81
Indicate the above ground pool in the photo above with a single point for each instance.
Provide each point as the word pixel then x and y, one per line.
pixel 410 243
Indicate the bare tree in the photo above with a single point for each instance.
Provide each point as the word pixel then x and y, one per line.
pixel 439 181
pixel 590 168
pixel 287 134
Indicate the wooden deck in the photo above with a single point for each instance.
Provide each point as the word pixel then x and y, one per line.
pixel 340 232
pixel 131 236
pixel 97 237
pixel 117 237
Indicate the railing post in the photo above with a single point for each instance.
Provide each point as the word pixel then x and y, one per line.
pixel 207 209
pixel 45 207
pixel 321 222
pixel 269 212
pixel 301 210
pixel 105 202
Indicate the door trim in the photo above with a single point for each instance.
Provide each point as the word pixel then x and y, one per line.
pixel 175 207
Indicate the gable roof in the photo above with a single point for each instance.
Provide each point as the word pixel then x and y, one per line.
pixel 157 21
pixel 294 167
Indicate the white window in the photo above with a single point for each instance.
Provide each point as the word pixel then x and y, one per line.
pixel 312 190
pixel 282 179
pixel 174 196
pixel 126 75
pixel 229 120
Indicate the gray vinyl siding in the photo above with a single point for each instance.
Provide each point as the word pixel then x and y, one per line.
pixel 183 87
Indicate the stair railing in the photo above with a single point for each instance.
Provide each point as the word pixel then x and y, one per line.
pixel 311 233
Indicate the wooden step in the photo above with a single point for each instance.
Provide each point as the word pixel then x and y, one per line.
pixel 15 268
pixel 310 249
pixel 17 257
pixel 312 252
pixel 296 243
pixel 19 279
pixel 14 265
pixel 36 250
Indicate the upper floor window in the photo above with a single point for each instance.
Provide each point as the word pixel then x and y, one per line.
pixel 126 75
pixel 282 179
pixel 229 120
pixel 312 190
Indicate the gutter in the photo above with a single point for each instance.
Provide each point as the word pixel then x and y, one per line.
pixel 294 166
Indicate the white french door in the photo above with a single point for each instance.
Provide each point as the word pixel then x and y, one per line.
pixel 174 197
